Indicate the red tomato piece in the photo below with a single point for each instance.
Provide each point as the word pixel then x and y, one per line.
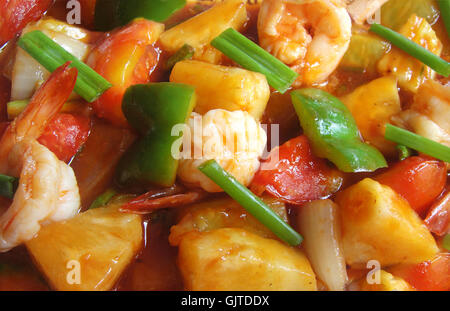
pixel 431 275
pixel 16 14
pixel 42 109
pixel 420 180
pixel 438 218
pixel 298 176
pixel 65 135
pixel 124 58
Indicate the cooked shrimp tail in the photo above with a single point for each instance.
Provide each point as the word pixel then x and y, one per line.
pixel 44 105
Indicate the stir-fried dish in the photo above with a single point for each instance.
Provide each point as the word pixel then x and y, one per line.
pixel 294 145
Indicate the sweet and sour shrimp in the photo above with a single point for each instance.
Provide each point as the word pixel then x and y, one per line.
pixel 47 188
pixel 310 36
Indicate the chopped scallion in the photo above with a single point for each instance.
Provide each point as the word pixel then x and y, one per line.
pixel 8 186
pixel 184 53
pixel 444 7
pixel 250 202
pixel 252 57
pixel 103 199
pixel 14 108
pixel 417 142
pixel 90 85
pixel 403 152
pixel 446 242
pixel 428 58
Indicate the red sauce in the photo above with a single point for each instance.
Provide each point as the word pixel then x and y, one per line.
pixel 155 269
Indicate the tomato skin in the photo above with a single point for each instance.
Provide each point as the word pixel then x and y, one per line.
pixel 420 180
pixel 433 275
pixel 299 176
pixel 438 217
pixel 65 135
pixel 16 14
pixel 124 58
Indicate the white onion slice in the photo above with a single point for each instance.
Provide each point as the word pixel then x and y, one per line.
pixel 318 223
pixel 27 73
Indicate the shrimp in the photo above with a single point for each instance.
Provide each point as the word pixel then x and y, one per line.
pixel 429 115
pixel 310 36
pixel 234 139
pixel 47 189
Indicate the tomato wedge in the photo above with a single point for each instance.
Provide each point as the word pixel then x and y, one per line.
pixel 125 57
pixel 438 218
pixel 433 275
pixel 298 176
pixel 65 135
pixel 420 180
pixel 16 14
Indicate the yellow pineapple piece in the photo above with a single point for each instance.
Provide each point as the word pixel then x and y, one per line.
pixel 220 87
pixel 372 105
pixel 201 29
pixel 235 259
pixel 224 213
pixel 378 224
pixel 97 245
pixel 388 282
pixel 411 72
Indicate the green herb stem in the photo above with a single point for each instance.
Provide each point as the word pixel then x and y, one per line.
pixel 250 202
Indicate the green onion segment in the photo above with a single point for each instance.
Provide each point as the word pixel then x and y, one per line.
pixel 417 142
pixel 90 85
pixel 252 57
pixel 251 202
pixel 431 60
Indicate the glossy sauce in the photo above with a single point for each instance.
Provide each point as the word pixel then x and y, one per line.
pixel 155 267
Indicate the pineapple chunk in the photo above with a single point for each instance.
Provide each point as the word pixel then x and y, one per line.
pixel 364 52
pixel 234 259
pixel 200 30
pixel 223 213
pixel 220 87
pixel 378 224
pixel 394 14
pixel 104 241
pixel 372 105
pixel 388 282
pixel 411 72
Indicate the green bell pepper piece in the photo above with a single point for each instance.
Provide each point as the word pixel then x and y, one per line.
pixel 153 110
pixel 113 13
pixel 8 186
pixel 333 133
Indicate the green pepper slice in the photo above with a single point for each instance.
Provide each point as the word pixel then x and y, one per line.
pixel 153 110
pixel 8 186
pixel 113 13
pixel 333 133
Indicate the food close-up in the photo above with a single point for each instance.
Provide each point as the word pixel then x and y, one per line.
pixel 201 145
